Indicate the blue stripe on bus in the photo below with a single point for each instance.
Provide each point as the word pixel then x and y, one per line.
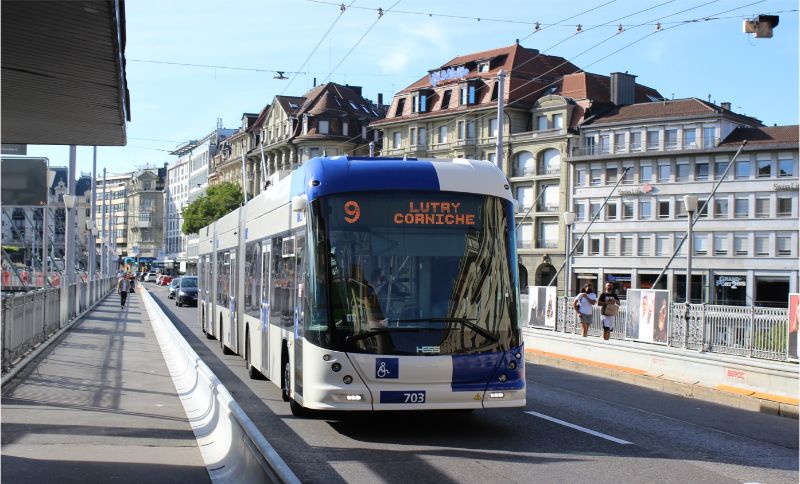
pixel 481 372
pixel 342 174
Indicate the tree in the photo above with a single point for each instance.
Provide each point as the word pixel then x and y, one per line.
pixel 219 200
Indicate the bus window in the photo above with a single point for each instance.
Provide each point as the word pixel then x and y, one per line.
pixel 252 279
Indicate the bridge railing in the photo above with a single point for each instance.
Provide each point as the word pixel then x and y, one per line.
pixel 29 318
pixel 748 331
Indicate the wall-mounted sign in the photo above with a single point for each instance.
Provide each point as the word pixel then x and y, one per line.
pixel 785 186
pixel 448 74
pixel 731 281
pixel 643 190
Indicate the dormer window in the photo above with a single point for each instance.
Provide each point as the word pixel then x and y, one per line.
pixel 401 104
pixel 446 99
pixel 323 126
pixel 468 93
pixel 483 66
pixel 419 101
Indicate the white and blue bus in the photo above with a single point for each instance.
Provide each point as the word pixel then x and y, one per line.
pixel 372 284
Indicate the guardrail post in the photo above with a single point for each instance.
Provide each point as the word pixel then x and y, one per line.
pixel 702 346
pixel 751 343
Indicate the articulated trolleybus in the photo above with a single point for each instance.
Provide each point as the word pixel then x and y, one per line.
pixel 372 284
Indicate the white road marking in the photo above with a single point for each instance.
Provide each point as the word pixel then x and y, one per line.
pixel 578 427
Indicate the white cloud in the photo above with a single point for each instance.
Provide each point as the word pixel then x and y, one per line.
pixel 410 44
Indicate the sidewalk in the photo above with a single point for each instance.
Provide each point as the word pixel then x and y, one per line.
pixel 97 406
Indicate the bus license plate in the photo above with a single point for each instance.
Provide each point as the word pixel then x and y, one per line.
pixel 414 396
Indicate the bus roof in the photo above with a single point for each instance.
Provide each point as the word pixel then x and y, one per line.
pixel 341 174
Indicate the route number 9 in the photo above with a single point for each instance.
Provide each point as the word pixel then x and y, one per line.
pixel 352 211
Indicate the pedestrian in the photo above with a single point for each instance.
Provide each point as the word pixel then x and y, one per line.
pixel 583 306
pixel 609 303
pixel 132 280
pixel 122 288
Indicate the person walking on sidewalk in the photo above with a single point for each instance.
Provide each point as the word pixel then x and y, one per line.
pixel 609 303
pixel 122 288
pixel 583 306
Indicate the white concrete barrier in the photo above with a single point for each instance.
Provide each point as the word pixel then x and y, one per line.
pixel 232 447
pixel 707 369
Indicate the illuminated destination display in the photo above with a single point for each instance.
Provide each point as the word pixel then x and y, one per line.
pixel 434 213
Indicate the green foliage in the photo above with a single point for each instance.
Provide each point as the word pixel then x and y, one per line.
pixel 218 200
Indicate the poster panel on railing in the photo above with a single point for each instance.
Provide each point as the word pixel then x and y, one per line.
pixel 542 309
pixel 794 321
pixel 648 315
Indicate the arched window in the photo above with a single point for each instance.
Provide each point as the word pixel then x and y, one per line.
pixel 523 277
pixel 549 162
pixel 523 164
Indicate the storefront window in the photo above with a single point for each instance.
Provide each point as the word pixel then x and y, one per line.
pixel 646 281
pixel 731 290
pixel 698 288
pixel 622 282
pixel 772 291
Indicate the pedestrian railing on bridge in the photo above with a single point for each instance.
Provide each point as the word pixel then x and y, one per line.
pixel 756 332
pixel 29 318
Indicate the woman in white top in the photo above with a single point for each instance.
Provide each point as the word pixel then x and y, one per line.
pixel 583 306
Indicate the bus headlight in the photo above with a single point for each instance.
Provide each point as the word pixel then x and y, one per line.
pixel 354 398
pixel 502 377
pixel 336 366
pixel 347 379
pixel 326 357
pixel 497 395
pixel 512 364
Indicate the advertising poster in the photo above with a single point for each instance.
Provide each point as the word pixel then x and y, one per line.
pixel 794 321
pixel 542 308
pixel 648 315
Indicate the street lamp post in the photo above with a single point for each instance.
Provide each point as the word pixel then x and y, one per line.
pixel 690 201
pixel 69 255
pixel 569 219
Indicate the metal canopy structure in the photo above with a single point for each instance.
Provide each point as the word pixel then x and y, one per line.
pixel 63 72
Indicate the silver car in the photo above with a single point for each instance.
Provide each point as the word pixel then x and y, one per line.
pixel 173 287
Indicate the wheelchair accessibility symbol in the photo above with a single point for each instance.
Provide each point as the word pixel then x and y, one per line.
pixel 386 368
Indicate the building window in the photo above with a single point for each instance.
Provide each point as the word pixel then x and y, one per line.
pixel 594 209
pixel 701 171
pixel 663 173
pixel 680 209
pixel 305 124
pixel 645 173
pixel 579 248
pixel 610 249
pixel 663 209
pixel 460 130
pixel 470 129
pixel 627 178
pixel 493 127
pixel 524 164
pixel 422 138
pixel 644 245
pixel 589 145
pixel 401 104
pixel 580 212
pixel 662 245
pixel 525 240
pixel 689 138
pixel 627 210
pixel 709 137
pixel 594 246
pixel 742 208
pixel 611 211
pixel 700 244
pixel 786 167
pixel 541 123
pixel 580 177
pixel 619 142
pixel 442 134
pixel 742 169
pixel 322 126
pixel 784 208
pixel 595 172
pixel 740 245
pixel 671 136
pixel 605 142
pixel 645 209
pixel 762 244
pixel 558 121
pixel 762 207
pixel 412 136
pixel 764 168
pixel 652 140
pixel 783 244
pixel 720 244
pixel 550 198
pixel 396 139
pixel 550 162
pixel 719 168
pixel 525 197
pixel 611 175
pixel 636 141
pixel 682 171
pixel 626 246
pixel 721 208
pixel 548 235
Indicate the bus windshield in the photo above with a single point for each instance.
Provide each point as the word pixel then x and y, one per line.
pixel 418 273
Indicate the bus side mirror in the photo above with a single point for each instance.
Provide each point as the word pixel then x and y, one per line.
pixel 299 203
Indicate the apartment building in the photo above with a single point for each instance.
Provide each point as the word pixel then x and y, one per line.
pixel 745 243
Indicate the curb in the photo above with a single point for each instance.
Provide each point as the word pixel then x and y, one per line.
pixel 723 394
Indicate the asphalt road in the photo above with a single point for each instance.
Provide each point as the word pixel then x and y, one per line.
pixel 576 428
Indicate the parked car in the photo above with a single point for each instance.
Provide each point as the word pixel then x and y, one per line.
pixel 173 287
pixel 165 280
pixel 150 277
pixel 187 291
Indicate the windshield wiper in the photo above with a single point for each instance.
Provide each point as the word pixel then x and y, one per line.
pixel 377 331
pixel 468 322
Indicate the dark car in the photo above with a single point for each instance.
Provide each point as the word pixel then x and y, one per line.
pixel 187 291
pixel 173 288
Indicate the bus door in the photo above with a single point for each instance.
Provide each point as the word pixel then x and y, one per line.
pixel 233 279
pixel 266 263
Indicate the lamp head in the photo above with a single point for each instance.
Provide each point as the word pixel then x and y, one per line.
pixel 690 201
pixel 569 218
pixel 69 201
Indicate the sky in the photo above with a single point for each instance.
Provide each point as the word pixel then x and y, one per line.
pixel 700 51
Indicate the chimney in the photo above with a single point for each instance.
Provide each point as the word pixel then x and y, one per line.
pixel 380 99
pixel 355 89
pixel 725 105
pixel 315 82
pixel 623 88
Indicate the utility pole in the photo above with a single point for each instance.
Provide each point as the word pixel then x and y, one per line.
pixel 501 88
